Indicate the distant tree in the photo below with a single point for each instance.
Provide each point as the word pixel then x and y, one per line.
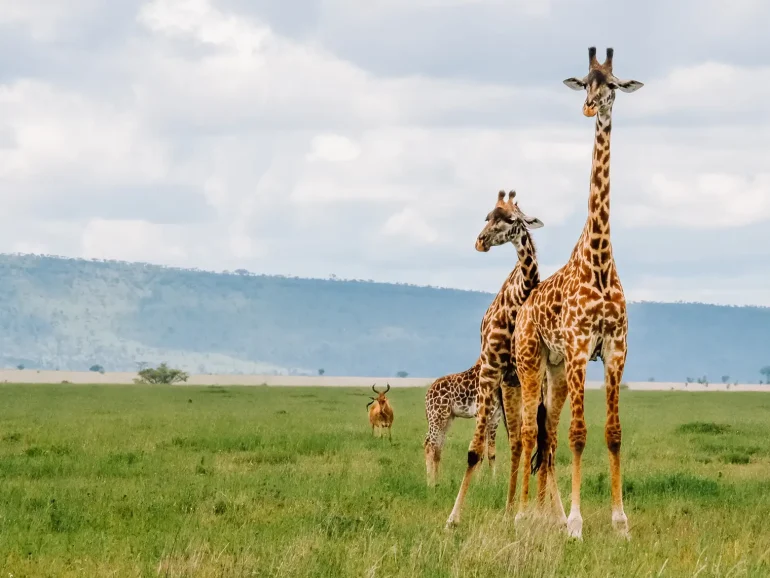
pixel 20 366
pixel 141 365
pixel 725 378
pixel 321 371
pixel 651 379
pixel 401 373
pixel 161 374
pixel 689 380
pixel 766 372
pixel 96 368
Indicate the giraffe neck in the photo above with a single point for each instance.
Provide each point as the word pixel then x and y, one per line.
pixel 525 249
pixel 594 244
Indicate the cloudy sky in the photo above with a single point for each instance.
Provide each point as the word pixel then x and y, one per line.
pixel 369 138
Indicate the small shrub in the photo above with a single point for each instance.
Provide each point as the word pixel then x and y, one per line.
pixel 736 458
pixel 162 374
pixel 676 484
pixel 703 427
pixel 127 458
pixel 12 437
pixel 220 507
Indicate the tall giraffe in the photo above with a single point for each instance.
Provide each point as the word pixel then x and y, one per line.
pixel 577 314
pixel 497 371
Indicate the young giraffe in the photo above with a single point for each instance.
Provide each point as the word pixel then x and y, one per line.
pixel 577 314
pixel 451 396
pixel 497 371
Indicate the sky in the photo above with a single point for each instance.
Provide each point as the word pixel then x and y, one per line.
pixel 369 139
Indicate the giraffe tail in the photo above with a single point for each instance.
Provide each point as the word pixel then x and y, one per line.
pixel 542 438
pixel 502 407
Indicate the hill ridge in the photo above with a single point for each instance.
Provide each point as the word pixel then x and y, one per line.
pixel 71 313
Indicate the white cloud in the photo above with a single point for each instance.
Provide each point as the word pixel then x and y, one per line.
pixel 275 154
pixel 45 19
pixel 714 91
pixel 410 224
pixel 60 138
pixel 132 241
pixel 691 178
pixel 333 148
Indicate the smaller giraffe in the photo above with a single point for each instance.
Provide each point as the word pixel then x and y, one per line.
pixel 451 396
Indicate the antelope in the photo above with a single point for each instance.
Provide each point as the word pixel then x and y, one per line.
pixel 380 412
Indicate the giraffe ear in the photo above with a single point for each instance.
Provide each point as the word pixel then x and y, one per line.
pixel 532 222
pixel 625 85
pixel 575 83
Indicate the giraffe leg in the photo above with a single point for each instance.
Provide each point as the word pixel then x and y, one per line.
pixel 491 437
pixel 555 398
pixel 489 378
pixel 575 362
pixel 614 364
pixel 512 408
pixel 431 458
pixel 531 370
pixel 439 415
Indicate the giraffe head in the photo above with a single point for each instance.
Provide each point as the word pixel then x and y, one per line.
pixel 600 84
pixel 506 223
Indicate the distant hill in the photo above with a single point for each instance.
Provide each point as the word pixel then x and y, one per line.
pixel 71 314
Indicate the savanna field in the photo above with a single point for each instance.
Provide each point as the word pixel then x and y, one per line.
pixel 256 481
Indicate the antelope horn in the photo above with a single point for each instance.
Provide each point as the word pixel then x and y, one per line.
pixel 387 390
pixel 374 390
pixel 370 403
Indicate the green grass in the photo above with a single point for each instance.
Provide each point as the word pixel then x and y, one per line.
pixel 256 481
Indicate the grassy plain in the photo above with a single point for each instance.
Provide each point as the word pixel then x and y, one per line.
pixel 256 481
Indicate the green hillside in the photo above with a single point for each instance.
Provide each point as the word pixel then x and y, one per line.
pixel 71 314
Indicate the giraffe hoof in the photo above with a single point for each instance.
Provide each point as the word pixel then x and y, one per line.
pixel 620 524
pixel 452 523
pixel 575 527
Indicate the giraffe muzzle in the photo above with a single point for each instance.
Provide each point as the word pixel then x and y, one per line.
pixel 589 110
pixel 481 246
